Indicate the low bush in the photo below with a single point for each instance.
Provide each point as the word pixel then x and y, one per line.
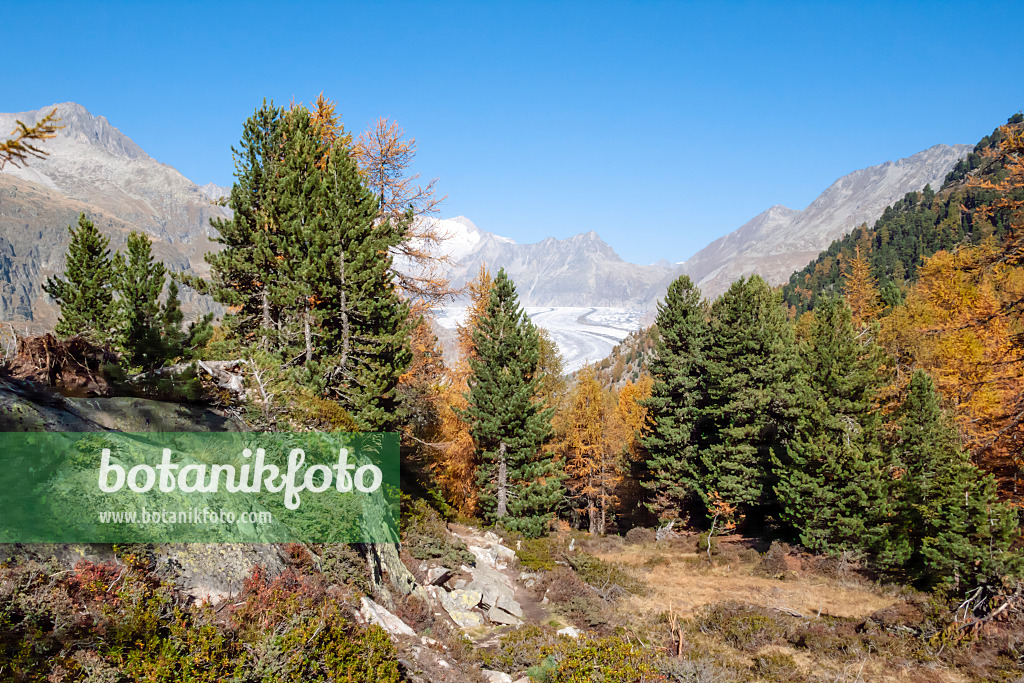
pixel 549 658
pixel 744 627
pixel 425 537
pixel 640 536
pixel 773 563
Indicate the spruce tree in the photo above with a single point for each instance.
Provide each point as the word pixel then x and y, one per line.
pixel 519 484
pixel 833 483
pixel 677 370
pixel 958 533
pixel 752 400
pixel 86 293
pixel 140 280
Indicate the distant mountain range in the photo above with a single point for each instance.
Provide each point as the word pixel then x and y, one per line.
pixel 93 167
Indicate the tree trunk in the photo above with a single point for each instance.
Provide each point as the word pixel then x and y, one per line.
pixel 604 498
pixel 267 322
pixel 502 482
pixel 592 514
pixel 309 336
pixel 345 330
pixel 383 559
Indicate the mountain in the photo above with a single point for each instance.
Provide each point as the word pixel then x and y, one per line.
pixel 94 168
pixel 578 271
pixel 780 241
pixel 915 227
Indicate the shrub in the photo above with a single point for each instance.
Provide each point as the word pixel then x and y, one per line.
pixel 551 658
pixel 773 562
pixel 640 536
pixel 611 580
pixel 425 537
pixel 326 647
pixel 776 666
pixel 744 627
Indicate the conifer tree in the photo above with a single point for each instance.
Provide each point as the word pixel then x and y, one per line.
pixel 171 320
pixel 86 293
pixel 362 319
pixel 753 397
pixel 519 483
pixel 140 280
pixel 860 287
pixel 594 439
pixel 833 481
pixel 245 268
pixel 306 266
pixel 677 370
pixel 957 532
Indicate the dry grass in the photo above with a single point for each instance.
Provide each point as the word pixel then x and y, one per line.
pixel 687 581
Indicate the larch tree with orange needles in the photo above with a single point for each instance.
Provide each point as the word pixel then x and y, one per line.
pixel 385 157
pixel 635 413
pixel 593 444
pixel 860 288
pixel 23 144
pixel 454 463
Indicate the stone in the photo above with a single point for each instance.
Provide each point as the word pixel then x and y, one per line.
pixel 495 676
pixel 466 619
pixel 460 604
pixel 500 616
pixel 378 615
pixel 569 631
pixel 501 553
pixel 509 605
pixel 529 579
pixel 460 599
pixel 438 576
pixel 492 586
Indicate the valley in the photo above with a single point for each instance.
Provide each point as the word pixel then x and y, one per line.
pixel 583 335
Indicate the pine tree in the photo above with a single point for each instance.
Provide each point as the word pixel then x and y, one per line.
pixel 752 399
pixel 140 281
pixel 833 480
pixel 179 341
pixel 86 294
pixel 957 531
pixel 519 484
pixel 677 370
pixel 247 265
pixel 307 270
pixel 363 321
pixel 171 321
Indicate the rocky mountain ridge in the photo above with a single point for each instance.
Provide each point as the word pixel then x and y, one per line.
pixel 94 168
pixel 779 241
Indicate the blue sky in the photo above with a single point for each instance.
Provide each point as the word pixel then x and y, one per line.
pixel 659 125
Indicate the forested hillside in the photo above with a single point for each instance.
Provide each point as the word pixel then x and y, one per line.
pixel 919 225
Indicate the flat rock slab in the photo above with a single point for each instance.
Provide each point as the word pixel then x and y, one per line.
pixel 500 616
pixel 380 616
